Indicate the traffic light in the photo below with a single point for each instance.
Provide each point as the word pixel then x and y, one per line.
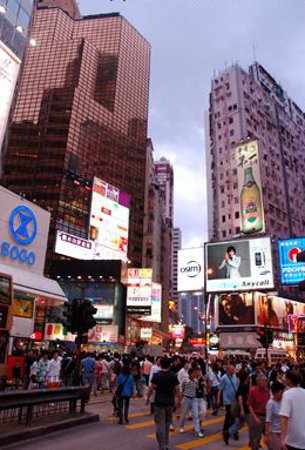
pixel 87 312
pixel 70 316
pixel 265 336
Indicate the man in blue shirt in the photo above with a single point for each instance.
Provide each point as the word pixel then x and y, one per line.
pixel 88 369
pixel 228 388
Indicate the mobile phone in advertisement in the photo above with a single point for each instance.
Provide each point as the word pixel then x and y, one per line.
pixel 259 257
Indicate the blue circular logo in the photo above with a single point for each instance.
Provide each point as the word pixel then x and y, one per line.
pixel 23 225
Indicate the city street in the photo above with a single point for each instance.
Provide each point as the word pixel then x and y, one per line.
pixel 138 435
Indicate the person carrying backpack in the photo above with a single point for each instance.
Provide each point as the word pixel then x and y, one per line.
pixel 124 391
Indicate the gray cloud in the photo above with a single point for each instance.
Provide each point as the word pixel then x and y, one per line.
pixel 190 40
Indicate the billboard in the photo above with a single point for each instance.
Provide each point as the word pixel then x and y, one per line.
pixel 176 331
pixel 275 312
pixel 291 271
pixel 139 292
pixel 73 246
pixel 296 323
pixel 156 304
pixel 191 269
pixel 235 309
pixel 9 69
pixel 109 221
pixel 241 265
pixel 249 188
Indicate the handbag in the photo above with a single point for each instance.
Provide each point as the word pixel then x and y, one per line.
pixel 120 388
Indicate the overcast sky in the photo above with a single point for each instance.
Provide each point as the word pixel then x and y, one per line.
pixel 191 40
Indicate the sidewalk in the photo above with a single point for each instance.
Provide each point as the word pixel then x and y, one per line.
pixel 12 432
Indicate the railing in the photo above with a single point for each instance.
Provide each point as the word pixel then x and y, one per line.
pixel 23 406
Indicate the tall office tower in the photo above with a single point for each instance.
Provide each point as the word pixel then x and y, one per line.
pixel 81 112
pixel 157 233
pixel 176 245
pixel 252 105
pixel 70 6
pixel 165 177
pixel 15 18
pixel 191 309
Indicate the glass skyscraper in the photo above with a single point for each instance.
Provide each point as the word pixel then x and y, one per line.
pixel 81 111
pixel 14 22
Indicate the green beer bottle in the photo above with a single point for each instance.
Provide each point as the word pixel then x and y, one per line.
pixel 251 205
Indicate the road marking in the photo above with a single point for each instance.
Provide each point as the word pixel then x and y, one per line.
pixel 134 426
pixel 202 441
pixel 190 427
pixel 246 447
pixel 131 416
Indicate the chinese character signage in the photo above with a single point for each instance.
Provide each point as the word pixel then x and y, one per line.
pixel 292 271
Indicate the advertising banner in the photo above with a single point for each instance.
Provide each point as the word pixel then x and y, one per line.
pixel 191 269
pixel 139 292
pixel 250 188
pixel 177 331
pixel 104 333
pixel 234 309
pixel 241 265
pixel 296 323
pixel 9 69
pixel 156 304
pixel 292 271
pixel 109 221
pixel 274 311
pixel 146 333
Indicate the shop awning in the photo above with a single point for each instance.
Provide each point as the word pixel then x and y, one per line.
pixel 32 283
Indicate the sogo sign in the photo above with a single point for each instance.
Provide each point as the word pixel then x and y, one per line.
pixel 190 269
pixel 23 232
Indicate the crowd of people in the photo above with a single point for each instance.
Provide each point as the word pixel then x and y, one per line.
pixel 271 400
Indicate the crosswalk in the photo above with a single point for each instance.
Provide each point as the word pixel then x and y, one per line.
pixel 143 421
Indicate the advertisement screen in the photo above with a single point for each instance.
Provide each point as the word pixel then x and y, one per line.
pixel 241 265
pixel 249 188
pixel 177 331
pixel 139 292
pixel 191 269
pixel 109 221
pixel 292 271
pixel 235 309
pixel 156 304
pixel 275 312
pixel 296 323
pixel 9 69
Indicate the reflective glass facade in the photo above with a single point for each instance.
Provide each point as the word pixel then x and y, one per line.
pixel 14 22
pixel 81 112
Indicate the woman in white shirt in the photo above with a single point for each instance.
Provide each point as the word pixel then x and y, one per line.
pixel 214 376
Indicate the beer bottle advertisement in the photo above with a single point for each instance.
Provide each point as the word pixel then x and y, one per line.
pixel 249 189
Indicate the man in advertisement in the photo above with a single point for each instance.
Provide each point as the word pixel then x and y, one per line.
pixel 231 263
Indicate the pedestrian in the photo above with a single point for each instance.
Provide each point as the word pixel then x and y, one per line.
pixel 201 395
pixel 241 410
pixel 165 384
pixel 183 372
pixel 104 373
pixel 154 369
pixel 146 368
pixel 124 391
pixel 16 379
pixel 228 388
pixel 189 402
pixel 53 371
pixel 41 371
pixel 273 421
pixel 214 376
pixel 292 413
pixel 88 368
pixel 257 401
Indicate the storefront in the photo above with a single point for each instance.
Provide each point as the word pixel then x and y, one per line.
pixel 34 298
